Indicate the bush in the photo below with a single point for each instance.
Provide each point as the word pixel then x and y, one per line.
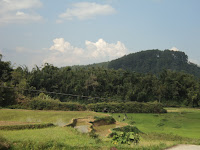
pixel 129 107
pixel 104 120
pixel 47 103
pixel 17 106
pixel 125 138
pixel 128 129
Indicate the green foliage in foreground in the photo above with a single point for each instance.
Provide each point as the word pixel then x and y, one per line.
pixel 125 138
pixel 128 107
pixel 125 135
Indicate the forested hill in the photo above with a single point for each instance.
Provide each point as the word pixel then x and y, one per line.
pixel 84 85
pixel 155 61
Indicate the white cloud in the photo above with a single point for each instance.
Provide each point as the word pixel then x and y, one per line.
pixel 62 46
pixel 103 49
pixel 62 53
pixel 86 10
pixel 19 11
pixel 174 49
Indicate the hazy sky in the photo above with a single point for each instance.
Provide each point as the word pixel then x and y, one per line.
pixel 72 32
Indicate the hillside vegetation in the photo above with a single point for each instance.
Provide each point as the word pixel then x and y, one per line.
pixel 92 85
pixel 155 61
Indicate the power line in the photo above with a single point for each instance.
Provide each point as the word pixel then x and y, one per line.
pixel 31 90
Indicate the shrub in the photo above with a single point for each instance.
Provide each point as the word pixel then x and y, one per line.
pixel 129 107
pixel 128 129
pixel 17 106
pixel 104 120
pixel 125 138
pixel 48 103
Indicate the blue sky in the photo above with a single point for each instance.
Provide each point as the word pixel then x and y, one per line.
pixel 72 32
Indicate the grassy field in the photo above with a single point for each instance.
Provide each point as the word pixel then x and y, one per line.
pixel 178 121
pixel 65 138
pixel 50 138
pixel 59 118
pixel 180 125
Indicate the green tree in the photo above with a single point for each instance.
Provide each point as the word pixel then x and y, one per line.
pixel 7 93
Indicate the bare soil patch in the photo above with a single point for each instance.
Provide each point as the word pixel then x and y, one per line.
pixel 105 130
pixel 85 121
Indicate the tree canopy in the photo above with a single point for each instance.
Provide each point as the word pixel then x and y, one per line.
pixel 155 61
pixel 99 84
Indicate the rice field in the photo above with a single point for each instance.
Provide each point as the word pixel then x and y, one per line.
pixel 179 125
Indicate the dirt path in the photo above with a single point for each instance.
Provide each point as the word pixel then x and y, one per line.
pixel 185 147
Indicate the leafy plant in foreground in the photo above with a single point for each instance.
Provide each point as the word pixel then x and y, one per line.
pixel 125 138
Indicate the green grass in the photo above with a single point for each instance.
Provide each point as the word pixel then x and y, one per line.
pixel 161 130
pixel 56 117
pixel 178 121
pixel 65 138
pixel 58 136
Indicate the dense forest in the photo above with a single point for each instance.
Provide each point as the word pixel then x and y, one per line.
pixel 97 84
pixel 154 61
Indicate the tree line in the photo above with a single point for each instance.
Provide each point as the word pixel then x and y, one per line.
pixel 168 87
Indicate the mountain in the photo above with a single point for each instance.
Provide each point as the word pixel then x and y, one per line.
pixel 155 61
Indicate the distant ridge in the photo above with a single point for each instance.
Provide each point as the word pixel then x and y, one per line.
pixel 155 61
pixel 150 61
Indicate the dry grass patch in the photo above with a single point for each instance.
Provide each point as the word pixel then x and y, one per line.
pixel 105 130
pixel 85 121
pixel 11 123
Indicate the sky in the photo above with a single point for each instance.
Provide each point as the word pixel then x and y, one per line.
pixel 77 32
